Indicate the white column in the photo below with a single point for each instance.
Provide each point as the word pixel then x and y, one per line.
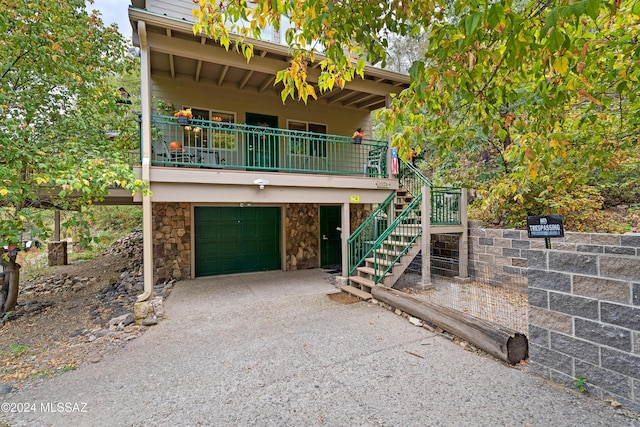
pixel 145 98
pixel 345 233
pixel 425 244
pixel 463 245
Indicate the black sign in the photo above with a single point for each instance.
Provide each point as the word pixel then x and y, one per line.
pixel 545 226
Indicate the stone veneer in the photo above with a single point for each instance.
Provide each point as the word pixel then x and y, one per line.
pixel 302 228
pixel 584 297
pixel 171 241
pixel 358 213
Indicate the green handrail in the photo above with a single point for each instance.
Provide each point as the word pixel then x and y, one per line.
pixel 360 242
pixel 411 179
pixel 397 239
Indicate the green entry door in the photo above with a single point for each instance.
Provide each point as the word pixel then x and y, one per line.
pixel 330 238
pixel 262 146
pixel 236 240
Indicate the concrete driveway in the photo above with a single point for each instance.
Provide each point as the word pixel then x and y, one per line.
pixel 271 349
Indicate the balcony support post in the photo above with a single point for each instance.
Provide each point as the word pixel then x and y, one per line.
pixel 145 98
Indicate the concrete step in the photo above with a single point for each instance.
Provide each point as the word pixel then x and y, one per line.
pixel 356 292
pixel 390 252
pixel 380 261
pixel 371 271
pixel 362 281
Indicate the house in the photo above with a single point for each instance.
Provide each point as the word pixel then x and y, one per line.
pixel 247 183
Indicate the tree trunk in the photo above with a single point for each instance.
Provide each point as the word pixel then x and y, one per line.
pixel 9 293
pixel 499 341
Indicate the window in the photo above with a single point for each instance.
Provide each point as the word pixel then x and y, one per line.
pixel 201 134
pixel 313 145
pixel 220 137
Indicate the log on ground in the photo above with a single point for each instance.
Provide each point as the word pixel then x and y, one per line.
pixel 499 341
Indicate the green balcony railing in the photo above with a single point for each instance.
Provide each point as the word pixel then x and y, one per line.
pixel 211 144
pixel 445 206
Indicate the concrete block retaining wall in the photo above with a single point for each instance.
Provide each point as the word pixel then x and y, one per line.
pixel 584 296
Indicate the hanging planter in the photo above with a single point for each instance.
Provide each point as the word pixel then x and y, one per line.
pixel 183 116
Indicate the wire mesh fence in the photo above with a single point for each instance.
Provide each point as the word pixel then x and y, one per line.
pixel 488 293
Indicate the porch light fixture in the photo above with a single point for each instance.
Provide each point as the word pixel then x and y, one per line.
pixel 261 182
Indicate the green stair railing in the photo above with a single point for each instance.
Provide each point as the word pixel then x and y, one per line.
pixel 411 179
pixel 360 243
pixel 397 239
pixel 445 201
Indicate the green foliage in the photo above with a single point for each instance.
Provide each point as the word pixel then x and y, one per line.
pixel 620 187
pixel 581 383
pixel 58 70
pixel 16 349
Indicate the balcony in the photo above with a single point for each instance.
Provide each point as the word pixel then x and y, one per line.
pixel 231 146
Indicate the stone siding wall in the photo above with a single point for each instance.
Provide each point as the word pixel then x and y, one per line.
pixel 302 228
pixel 584 297
pixel 358 213
pixel 171 241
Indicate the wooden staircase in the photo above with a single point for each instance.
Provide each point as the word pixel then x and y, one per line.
pixel 362 282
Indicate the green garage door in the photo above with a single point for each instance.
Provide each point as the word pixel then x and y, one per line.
pixel 236 240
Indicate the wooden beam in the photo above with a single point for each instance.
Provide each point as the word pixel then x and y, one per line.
pixel 343 94
pixel 373 104
pixel 203 40
pixel 245 79
pixel 172 67
pixel 357 100
pixel 266 83
pixel 499 341
pixel 223 74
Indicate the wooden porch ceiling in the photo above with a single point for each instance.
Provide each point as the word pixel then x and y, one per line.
pixel 178 54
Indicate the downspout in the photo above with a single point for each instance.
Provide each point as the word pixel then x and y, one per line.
pixel 145 97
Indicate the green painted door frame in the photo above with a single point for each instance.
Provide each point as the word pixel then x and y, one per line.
pixel 330 236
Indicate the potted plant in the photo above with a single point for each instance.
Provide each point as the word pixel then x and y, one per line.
pixel 357 137
pixel 183 116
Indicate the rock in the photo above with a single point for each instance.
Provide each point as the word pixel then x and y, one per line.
pixel 121 321
pixel 142 309
pixel 150 320
pixel 157 306
pixel 415 321
pixel 5 389
pixel 398 312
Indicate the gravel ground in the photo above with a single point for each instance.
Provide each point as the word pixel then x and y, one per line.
pixel 272 349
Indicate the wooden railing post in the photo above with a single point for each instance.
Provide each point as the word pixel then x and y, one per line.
pixel 463 247
pixel 425 220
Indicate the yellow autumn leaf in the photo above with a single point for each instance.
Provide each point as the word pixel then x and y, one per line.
pixel 561 65
pixel 312 92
